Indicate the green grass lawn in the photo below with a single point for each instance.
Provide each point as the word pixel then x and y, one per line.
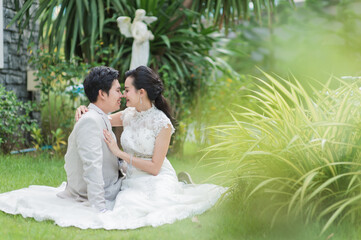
pixel 223 221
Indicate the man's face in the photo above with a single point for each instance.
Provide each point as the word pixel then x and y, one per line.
pixel 113 100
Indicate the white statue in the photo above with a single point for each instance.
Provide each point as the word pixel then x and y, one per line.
pixel 139 31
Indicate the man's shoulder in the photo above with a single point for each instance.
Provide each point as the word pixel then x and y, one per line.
pixel 91 113
pixel 90 116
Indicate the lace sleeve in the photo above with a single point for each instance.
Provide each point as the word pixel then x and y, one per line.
pixel 162 121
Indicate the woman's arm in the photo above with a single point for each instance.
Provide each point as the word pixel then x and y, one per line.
pixel 115 118
pixel 160 151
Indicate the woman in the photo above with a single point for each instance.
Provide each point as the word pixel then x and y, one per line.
pixel 150 193
pixel 147 123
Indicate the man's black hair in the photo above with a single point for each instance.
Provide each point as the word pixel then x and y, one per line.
pixel 99 78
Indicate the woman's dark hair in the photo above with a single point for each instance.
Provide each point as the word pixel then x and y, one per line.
pixel 144 77
pixel 99 78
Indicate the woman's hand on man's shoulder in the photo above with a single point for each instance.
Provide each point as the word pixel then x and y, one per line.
pixel 80 111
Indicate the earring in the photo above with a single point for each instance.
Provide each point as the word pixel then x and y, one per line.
pixel 140 100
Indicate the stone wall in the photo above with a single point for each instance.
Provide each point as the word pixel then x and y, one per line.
pixel 13 75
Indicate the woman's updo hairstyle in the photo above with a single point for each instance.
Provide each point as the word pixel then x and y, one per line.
pixel 144 77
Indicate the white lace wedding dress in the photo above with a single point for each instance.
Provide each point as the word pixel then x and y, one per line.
pixel 144 199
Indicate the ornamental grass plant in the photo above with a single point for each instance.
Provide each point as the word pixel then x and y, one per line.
pixel 295 155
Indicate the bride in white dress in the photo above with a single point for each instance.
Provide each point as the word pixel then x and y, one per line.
pixel 150 194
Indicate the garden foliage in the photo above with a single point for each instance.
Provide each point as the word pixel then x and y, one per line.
pixel 180 51
pixel 295 154
pixel 60 84
pixel 15 120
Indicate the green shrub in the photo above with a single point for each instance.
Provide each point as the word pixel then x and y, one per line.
pixel 55 77
pixel 15 122
pixel 295 155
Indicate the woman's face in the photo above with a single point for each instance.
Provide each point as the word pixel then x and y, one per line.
pixel 132 95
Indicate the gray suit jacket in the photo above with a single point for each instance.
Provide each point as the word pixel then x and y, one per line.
pixel 91 169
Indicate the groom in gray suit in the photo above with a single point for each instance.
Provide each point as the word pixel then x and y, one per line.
pixel 92 170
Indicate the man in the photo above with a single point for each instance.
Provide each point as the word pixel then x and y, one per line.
pixel 92 170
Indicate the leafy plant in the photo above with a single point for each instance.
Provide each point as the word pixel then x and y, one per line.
pixel 15 120
pixel 58 139
pixel 37 138
pixel 57 80
pixel 301 152
pixel 77 25
pixel 229 14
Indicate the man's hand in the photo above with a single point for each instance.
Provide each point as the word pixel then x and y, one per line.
pixel 80 111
